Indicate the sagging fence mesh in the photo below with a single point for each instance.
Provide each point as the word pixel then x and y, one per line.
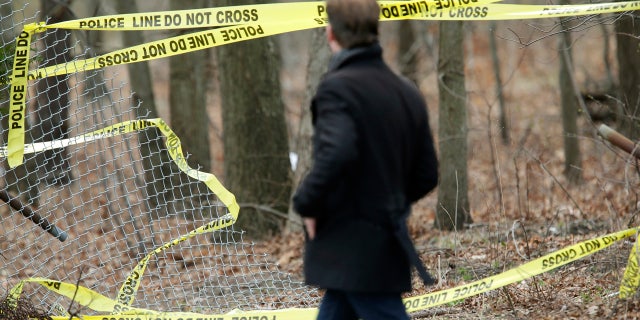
pixel 118 199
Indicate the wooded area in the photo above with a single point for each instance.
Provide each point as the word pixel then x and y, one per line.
pixel 514 107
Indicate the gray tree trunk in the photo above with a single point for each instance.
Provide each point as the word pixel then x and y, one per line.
pixel 51 114
pixel 319 60
pixel 256 148
pixel 155 159
pixel 628 41
pixel 408 45
pixel 187 97
pixel 569 106
pixel 503 124
pixel 452 210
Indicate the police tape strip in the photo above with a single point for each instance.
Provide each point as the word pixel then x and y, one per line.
pixel 244 14
pixel 390 10
pixel 540 265
pixel 631 277
pixel 18 95
pixel 546 263
pixel 499 11
pixel 95 301
pixel 79 294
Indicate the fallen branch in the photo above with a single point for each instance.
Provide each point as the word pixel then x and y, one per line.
pixel 619 140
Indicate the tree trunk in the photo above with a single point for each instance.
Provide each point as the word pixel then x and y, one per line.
pixel 155 159
pixel 503 124
pixel 52 110
pixel 408 45
pixel 187 97
pixel 188 108
pixel 257 167
pixel 319 60
pixel 51 113
pixel 628 41
pixel 452 210
pixel 569 105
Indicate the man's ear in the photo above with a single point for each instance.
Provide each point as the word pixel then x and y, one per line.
pixel 331 39
pixel 330 36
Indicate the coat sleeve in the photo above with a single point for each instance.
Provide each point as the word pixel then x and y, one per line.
pixel 334 149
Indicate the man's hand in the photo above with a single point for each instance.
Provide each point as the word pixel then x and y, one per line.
pixel 310 225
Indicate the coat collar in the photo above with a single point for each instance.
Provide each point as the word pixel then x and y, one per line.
pixel 346 56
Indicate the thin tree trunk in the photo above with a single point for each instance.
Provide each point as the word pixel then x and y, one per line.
pixel 155 159
pixel 187 97
pixel 503 124
pixel 569 105
pixel 452 210
pixel 52 111
pixel 628 41
pixel 317 66
pixel 408 45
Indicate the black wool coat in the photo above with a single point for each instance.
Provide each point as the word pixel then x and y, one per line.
pixel 373 155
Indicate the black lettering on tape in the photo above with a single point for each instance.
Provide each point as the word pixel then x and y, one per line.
pixel 321 21
pixel 469 12
pixel 147 21
pixel 446 4
pixel 20 68
pixel 243 32
pixel 103 23
pixel 53 284
pixel 237 16
pixel 198 18
pixel 154 50
pixel 116 58
pixel 559 258
pixel 172 20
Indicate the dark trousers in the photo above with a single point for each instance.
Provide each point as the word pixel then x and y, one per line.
pixel 341 305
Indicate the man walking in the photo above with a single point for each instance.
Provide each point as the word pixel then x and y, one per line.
pixel 373 157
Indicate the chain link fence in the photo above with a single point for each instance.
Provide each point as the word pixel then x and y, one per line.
pixel 109 199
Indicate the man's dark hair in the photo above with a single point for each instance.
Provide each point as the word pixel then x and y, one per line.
pixel 354 22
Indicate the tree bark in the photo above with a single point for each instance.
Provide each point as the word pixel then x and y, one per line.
pixel 155 159
pixel 319 60
pixel 256 148
pixel 188 109
pixel 452 210
pixel 52 110
pixel 569 107
pixel 187 98
pixel 503 124
pixel 408 44
pixel 628 42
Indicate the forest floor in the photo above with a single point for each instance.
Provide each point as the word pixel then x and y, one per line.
pixel 523 207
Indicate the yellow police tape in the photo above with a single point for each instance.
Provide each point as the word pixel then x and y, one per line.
pixel 99 303
pixel 631 277
pixel 18 94
pixel 252 22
